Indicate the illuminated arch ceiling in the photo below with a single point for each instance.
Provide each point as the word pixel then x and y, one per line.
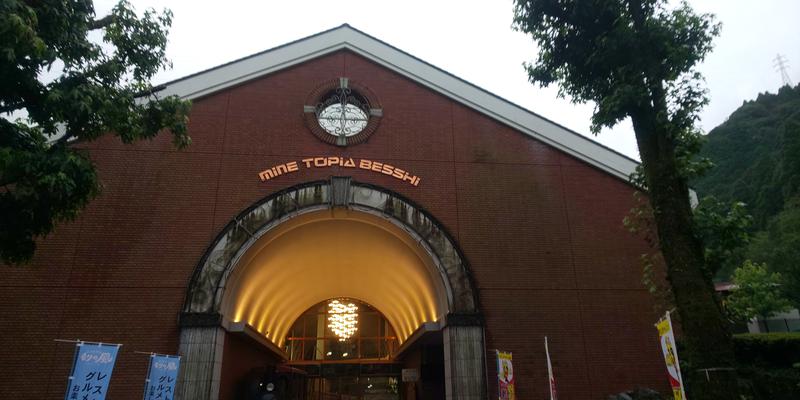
pixel 331 254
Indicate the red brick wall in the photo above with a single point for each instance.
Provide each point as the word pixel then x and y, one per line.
pixel 541 231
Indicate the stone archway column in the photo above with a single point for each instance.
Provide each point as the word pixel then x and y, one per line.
pixel 201 347
pixel 464 358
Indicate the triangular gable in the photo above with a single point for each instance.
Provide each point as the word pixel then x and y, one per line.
pixel 346 37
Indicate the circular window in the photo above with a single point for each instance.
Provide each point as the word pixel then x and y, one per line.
pixel 343 112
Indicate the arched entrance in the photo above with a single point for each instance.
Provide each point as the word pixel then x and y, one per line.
pixel 330 239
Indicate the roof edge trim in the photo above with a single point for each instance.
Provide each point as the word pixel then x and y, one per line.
pixel 346 37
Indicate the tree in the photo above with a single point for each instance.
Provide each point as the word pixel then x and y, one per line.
pixel 724 231
pixel 636 59
pixel 779 247
pixel 73 89
pixel 757 293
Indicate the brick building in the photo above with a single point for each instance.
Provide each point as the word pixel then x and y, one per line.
pixel 340 168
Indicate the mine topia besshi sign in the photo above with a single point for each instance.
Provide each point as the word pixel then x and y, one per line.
pixel 343 162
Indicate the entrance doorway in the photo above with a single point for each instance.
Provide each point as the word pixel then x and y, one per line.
pixel 346 347
pixel 342 329
pixel 275 268
pixel 354 388
pixel 323 382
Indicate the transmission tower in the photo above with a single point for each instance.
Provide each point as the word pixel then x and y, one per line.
pixel 782 65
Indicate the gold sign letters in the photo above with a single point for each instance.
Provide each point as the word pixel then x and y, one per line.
pixel 322 162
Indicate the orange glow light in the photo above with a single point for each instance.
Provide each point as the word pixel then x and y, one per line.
pixel 333 255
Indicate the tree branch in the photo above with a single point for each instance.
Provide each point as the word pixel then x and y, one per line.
pixel 102 22
pixel 12 107
pixel 63 139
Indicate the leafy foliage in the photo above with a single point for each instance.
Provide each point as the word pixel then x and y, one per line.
pixel 636 59
pixel 640 221
pixel 780 350
pixel 779 247
pixel 769 361
pixel 613 52
pixel 72 89
pixel 724 231
pixel 770 383
pixel 757 294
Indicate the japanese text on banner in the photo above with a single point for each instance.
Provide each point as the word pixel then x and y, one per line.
pixel 91 371
pixel 162 377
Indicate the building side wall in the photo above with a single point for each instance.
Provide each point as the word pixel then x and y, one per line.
pixel 541 231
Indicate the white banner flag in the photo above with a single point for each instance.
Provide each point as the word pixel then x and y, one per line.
pixel 551 380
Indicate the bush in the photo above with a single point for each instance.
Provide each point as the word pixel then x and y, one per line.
pixel 773 350
pixel 638 394
pixel 767 364
pixel 771 383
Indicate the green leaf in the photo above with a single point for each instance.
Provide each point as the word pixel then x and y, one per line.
pixel 96 94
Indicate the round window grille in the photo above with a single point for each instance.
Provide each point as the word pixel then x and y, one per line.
pixel 343 113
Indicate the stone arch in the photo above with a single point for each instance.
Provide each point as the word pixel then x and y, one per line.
pixel 201 319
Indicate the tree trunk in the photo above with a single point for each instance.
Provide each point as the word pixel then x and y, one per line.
pixel 709 348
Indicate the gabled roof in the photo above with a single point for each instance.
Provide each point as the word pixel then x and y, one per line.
pixel 346 37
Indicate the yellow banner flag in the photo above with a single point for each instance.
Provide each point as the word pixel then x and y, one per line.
pixel 667 339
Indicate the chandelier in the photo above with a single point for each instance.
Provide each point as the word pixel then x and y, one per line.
pixel 342 319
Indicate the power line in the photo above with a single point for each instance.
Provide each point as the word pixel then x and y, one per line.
pixel 781 64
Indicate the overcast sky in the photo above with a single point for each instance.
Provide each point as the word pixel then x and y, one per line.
pixel 474 41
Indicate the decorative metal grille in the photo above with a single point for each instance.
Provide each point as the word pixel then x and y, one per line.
pixel 343 112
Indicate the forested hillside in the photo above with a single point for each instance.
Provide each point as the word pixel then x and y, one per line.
pixel 756 153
